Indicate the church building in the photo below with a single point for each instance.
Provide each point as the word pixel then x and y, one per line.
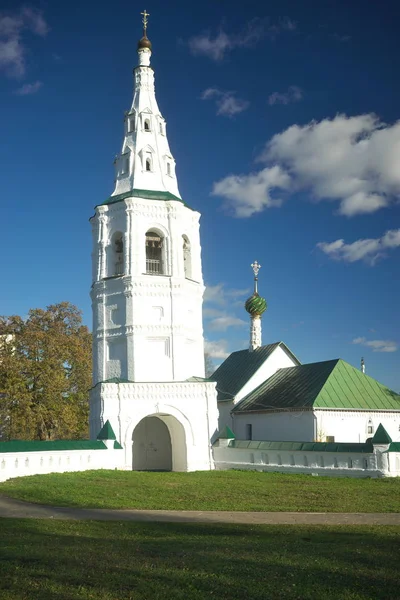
pixel 148 348
pixel 147 295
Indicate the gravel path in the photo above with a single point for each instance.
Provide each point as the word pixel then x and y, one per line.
pixel 10 508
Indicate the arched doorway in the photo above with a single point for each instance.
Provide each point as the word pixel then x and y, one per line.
pixel 158 444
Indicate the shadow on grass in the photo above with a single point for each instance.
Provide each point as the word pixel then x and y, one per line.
pixel 173 561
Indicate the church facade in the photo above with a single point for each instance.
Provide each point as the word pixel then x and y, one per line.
pixel 147 294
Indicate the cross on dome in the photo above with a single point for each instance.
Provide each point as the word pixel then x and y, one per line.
pixel 145 21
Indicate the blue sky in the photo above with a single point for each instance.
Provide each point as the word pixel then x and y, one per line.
pixel 282 120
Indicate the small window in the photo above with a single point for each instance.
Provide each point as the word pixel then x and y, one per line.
pixel 305 461
pixel 147 125
pixel 154 252
pixel 131 124
pixel 365 463
pixel 148 164
pixel 350 463
pixel 249 431
pixel 370 427
pixel 168 168
pixel 125 163
pixel 187 257
pixel 321 461
pixel 161 128
pixel 279 459
pixel 335 463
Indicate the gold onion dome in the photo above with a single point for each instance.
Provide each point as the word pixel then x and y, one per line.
pixel 255 305
pixel 144 43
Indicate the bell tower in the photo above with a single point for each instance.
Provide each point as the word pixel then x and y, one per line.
pixel 147 288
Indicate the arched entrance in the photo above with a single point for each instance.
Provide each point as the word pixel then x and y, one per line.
pixel 158 444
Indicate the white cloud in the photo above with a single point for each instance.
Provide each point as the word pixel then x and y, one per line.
pixel 12 48
pixel 350 160
pixel 293 94
pixel 29 88
pixel 377 345
pixel 218 46
pixel 368 250
pixel 225 322
pixel 216 349
pixel 249 194
pixel 227 103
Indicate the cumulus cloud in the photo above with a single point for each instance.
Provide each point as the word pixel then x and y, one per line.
pixel 13 25
pixel 225 322
pixel 246 195
pixel 350 160
pixel 218 46
pixel 377 345
pixel 368 250
pixel 227 103
pixel 293 94
pixel 216 349
pixel 29 88
pixel 217 300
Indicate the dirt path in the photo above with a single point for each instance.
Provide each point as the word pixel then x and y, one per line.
pixel 10 508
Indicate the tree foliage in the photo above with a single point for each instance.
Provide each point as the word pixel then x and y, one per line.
pixel 45 374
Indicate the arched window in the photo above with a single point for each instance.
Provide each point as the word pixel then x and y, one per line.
pixel 187 257
pixel 116 256
pixel 147 125
pixel 148 164
pixel 154 253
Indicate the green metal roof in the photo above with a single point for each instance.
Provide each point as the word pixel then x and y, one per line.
pixel 226 434
pixel 303 446
pixel 150 194
pixel 37 446
pixel 240 366
pixel 106 432
pixel 394 447
pixel 328 384
pixel 381 436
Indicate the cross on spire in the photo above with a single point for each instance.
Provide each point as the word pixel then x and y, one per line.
pixel 256 267
pixel 144 21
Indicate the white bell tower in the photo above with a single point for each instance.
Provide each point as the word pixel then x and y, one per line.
pixel 147 279
pixel 147 288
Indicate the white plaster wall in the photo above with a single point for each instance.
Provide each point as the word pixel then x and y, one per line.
pixel 188 409
pixel 351 426
pixel 287 426
pixel 225 417
pixel 21 464
pixel 334 464
pixel 277 360
pixel 151 323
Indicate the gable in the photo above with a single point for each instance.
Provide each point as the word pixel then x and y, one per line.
pixel 238 369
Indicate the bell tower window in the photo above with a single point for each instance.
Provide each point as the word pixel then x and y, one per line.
pixel 187 258
pixel 147 125
pixel 168 168
pixel 154 253
pixel 131 124
pixel 148 164
pixel 116 255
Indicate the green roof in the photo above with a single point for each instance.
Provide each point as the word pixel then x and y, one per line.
pixel 150 194
pixel 106 432
pixel 37 446
pixel 394 447
pixel 381 436
pixel 240 366
pixel 303 446
pixel 328 384
pixel 226 434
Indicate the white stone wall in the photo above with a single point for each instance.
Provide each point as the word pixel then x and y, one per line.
pixel 279 359
pixel 352 426
pixel 188 409
pixel 333 464
pixel 285 426
pixel 147 327
pixel 21 464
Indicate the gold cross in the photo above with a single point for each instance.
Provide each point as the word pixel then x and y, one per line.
pixel 145 15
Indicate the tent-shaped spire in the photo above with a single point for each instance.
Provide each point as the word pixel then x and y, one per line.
pixel 381 436
pixel 106 432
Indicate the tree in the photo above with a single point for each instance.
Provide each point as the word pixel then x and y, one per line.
pixel 45 374
pixel 208 364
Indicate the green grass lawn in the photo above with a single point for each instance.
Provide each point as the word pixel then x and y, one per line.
pixel 71 560
pixel 215 490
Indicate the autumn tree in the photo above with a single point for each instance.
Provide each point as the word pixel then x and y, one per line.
pixel 45 374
